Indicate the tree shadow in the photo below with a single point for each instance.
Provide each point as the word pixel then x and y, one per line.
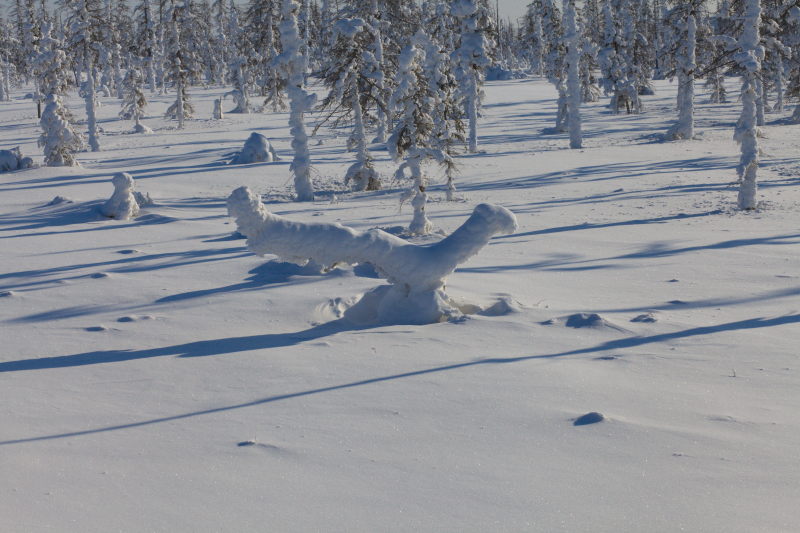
pixel 260 342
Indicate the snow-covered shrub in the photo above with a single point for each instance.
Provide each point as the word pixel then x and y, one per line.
pixel 122 205
pixel 416 273
pixel 256 149
pixel 14 160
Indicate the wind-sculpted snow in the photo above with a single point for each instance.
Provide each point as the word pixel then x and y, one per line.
pixel 416 272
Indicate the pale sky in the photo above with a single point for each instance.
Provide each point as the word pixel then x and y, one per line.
pixel 512 8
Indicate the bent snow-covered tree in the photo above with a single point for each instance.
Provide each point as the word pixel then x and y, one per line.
pixel 416 273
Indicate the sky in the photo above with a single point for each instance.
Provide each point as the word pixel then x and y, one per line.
pixel 512 8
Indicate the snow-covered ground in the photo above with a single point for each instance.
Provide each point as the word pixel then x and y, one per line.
pixel 157 376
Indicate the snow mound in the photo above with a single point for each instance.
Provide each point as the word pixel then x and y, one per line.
pixel 58 200
pixel 256 149
pixel 416 273
pixel 122 205
pixel 646 318
pixel 584 320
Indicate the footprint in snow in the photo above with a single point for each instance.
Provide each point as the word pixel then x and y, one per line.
pixel 96 328
pixel 100 275
pixel 128 252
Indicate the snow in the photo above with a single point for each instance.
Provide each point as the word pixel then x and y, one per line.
pixel 256 149
pixel 115 424
pixel 123 204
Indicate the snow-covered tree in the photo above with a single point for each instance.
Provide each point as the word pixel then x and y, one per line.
pixel 179 67
pixel 58 139
pixel 681 36
pixel 416 272
pixel 84 17
pixel 292 64
pixel 146 46
pixel 122 205
pixel 616 58
pixel 134 101
pixel 573 44
pixel 350 77
pixel 261 30
pixel 749 58
pixel 237 66
pixel 471 59
pixel 414 138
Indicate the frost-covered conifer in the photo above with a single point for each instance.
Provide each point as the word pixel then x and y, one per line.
pixel 261 31
pixel 572 41
pixel 84 16
pixel 178 71
pixel 58 139
pixel 791 36
pixel 471 59
pixel 414 136
pixel 292 65
pixel 749 58
pixel 616 57
pixel 681 36
pixel 237 66
pixel 350 75
pixel 448 113
pixel 134 101
pixel 146 46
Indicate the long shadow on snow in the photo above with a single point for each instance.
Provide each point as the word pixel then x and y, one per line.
pixel 129 265
pixel 259 342
pixel 653 250
pixel 269 273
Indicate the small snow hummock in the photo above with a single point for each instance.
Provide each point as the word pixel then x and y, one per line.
pixel 416 273
pixel 257 149
pixel 14 160
pixel 122 205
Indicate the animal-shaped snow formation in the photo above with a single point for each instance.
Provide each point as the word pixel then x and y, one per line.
pixel 416 272
pixel 14 160
pixel 257 149
pixel 122 205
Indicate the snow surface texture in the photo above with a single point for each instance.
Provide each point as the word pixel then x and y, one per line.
pixel 416 272
pixel 256 149
pixel 462 426
pixel 122 205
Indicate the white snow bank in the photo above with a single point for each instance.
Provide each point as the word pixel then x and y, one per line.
pixel 122 205
pixel 257 149
pixel 416 272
